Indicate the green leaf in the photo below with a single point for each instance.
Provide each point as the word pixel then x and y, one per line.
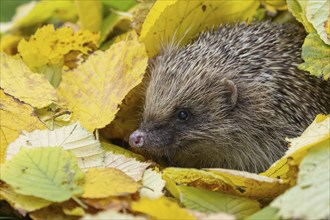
pixel 120 5
pixel 310 198
pixel 316 55
pixel 212 202
pixel 317 13
pixel 7 9
pixel 269 213
pixel 108 24
pixel 298 9
pixel 52 73
pixel 49 173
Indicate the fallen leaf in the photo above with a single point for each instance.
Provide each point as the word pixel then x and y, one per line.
pixel 49 46
pixel 252 185
pixel 214 202
pixel 327 27
pixel 105 182
pixel 286 168
pixel 161 208
pixel 110 76
pixel 176 22
pixel 298 9
pixel 54 116
pixel 15 117
pixel 119 12
pixel 268 213
pixel 128 117
pixel 233 182
pixel 90 14
pixel 153 184
pixel 19 81
pixel 8 44
pixel 139 14
pixel 72 208
pixel 21 202
pixel 35 12
pixel 49 173
pixel 310 198
pixel 317 13
pixel 130 166
pixel 121 151
pixel 77 211
pixel 75 138
pixel 316 55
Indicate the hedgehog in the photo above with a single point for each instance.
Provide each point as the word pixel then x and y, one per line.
pixel 229 98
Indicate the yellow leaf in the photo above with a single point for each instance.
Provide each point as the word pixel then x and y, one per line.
pixel 316 134
pixel 49 46
pixel 121 151
pixel 327 27
pixel 105 182
pixel 252 185
pixel 54 116
pixel 70 207
pixel 8 43
pixel 77 211
pixel 19 81
pixel 90 14
pixel 36 12
pixel 127 118
pixel 178 21
pixel 272 6
pixel 229 181
pixel 94 89
pixel 161 208
pixel 22 202
pixel 15 117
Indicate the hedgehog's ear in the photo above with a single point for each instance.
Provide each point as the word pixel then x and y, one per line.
pixel 230 85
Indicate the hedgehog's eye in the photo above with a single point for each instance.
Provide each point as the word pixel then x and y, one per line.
pixel 183 115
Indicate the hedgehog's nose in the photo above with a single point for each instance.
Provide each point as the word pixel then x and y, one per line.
pixel 137 139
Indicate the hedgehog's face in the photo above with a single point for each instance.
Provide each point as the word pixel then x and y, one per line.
pixel 182 116
pixel 182 132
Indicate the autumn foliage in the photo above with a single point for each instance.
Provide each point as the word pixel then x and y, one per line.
pixel 70 75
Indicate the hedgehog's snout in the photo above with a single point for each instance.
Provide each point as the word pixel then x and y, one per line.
pixel 136 139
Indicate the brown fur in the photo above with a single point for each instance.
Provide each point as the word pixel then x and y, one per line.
pixel 274 99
